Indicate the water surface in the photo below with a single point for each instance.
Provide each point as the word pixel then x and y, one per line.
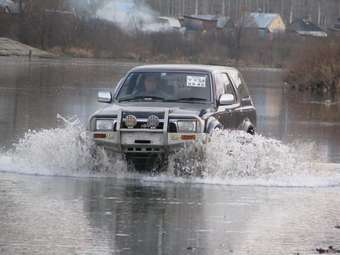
pixel 140 214
pixel 48 215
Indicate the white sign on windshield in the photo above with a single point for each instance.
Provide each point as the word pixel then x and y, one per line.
pixel 196 81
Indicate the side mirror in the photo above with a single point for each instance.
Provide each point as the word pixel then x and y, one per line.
pixel 104 97
pixel 227 99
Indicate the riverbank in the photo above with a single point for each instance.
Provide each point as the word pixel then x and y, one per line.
pixel 12 48
pixel 108 61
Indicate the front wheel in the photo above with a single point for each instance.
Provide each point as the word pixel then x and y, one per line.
pixel 251 131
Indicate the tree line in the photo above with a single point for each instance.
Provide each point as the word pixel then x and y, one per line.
pixel 69 27
pixel 322 12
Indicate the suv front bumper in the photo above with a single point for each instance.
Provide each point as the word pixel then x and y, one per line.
pixel 146 142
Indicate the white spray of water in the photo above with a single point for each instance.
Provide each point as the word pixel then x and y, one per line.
pixel 229 158
pixel 237 158
pixel 65 151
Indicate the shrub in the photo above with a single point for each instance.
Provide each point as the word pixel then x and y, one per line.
pixel 316 66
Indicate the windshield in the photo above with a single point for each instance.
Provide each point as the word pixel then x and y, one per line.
pixel 166 86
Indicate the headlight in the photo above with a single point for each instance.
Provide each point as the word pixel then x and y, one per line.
pixel 187 126
pixel 104 125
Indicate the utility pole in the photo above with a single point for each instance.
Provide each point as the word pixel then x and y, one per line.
pixel 183 7
pixel 291 12
pixel 20 7
pixel 196 7
pixel 319 13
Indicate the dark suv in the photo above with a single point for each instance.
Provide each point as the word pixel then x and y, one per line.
pixel 158 108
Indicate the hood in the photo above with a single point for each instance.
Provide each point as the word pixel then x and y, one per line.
pixel 175 109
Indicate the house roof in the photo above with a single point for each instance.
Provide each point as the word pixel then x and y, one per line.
pixel 261 20
pixel 12 6
pixel 206 17
pixel 305 25
pixel 4 3
pixel 337 24
pixel 173 22
pixel 60 12
pixel 221 21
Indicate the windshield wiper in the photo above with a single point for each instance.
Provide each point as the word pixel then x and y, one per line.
pixel 146 98
pixel 192 99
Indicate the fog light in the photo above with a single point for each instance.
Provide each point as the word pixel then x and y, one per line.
pixel 130 121
pixel 99 136
pixel 188 137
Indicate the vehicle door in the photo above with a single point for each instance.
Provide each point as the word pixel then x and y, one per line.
pixel 224 113
pixel 246 109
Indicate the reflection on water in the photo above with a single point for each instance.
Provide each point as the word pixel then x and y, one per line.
pixel 291 116
pixel 31 95
pixel 46 215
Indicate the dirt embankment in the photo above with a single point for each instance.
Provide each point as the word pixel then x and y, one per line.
pixel 10 47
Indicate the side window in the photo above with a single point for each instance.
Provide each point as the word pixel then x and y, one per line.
pixel 225 86
pixel 228 87
pixel 240 84
pixel 219 86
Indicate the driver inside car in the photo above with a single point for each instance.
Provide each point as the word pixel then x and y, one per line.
pixel 152 87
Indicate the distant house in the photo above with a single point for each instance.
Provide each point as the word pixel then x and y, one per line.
pixel 61 13
pixel 9 7
pixel 336 27
pixel 265 22
pixel 170 22
pixel 337 24
pixel 306 28
pixel 205 23
pixel 225 23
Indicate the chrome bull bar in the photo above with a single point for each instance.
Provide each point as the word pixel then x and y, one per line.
pixel 148 140
pixel 142 140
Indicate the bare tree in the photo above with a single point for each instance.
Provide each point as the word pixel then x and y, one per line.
pixel 323 12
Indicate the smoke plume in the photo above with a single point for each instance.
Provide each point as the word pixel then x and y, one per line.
pixel 129 15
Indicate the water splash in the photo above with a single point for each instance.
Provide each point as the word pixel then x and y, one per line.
pixel 65 151
pixel 237 154
pixel 237 158
pixel 229 158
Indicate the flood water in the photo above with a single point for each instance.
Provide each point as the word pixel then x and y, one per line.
pixel 145 215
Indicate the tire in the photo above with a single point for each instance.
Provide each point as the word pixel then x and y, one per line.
pixel 251 131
